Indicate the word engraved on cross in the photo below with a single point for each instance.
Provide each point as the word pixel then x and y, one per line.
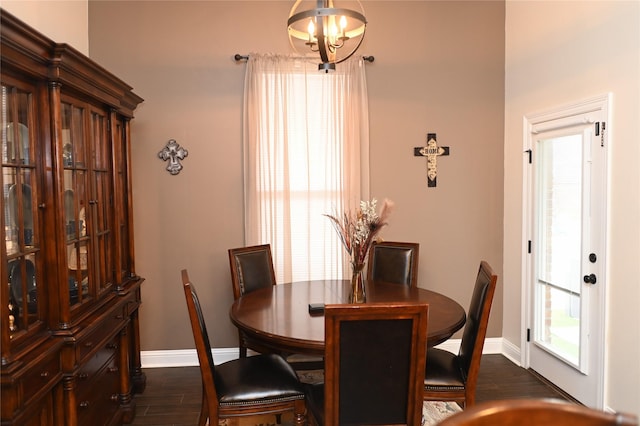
pixel 432 151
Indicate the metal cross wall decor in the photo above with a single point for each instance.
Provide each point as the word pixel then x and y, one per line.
pixel 432 151
pixel 174 153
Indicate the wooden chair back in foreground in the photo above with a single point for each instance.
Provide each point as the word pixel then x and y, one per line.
pixel 394 262
pixel 535 412
pixel 246 386
pixel 374 364
pixel 251 269
pixel 451 377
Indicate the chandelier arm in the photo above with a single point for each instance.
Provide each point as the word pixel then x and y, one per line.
pixel 334 46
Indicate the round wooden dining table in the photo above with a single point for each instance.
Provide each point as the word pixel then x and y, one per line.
pixel 277 318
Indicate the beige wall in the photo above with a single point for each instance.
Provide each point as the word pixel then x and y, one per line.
pixel 60 20
pixel 439 68
pixel 559 53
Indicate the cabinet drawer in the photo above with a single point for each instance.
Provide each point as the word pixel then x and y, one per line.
pixel 27 382
pixel 114 321
pixel 132 305
pixel 98 399
pixel 87 374
pixel 42 375
pixel 37 414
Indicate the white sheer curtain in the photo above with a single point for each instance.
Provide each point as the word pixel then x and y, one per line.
pixel 306 153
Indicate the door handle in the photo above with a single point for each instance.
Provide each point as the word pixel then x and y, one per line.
pixel 590 279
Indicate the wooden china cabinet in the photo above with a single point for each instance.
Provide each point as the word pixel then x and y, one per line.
pixel 69 292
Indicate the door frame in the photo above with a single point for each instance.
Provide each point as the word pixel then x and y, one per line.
pixel 602 104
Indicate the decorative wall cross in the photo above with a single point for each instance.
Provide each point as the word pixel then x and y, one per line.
pixel 431 151
pixel 174 153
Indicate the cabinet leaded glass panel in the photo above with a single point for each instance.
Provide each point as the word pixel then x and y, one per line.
pixel 20 220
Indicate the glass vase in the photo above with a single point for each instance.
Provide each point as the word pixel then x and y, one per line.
pixel 357 285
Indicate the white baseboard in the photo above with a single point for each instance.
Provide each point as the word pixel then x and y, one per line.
pixel 189 357
pixel 183 357
pixel 511 352
pixel 492 345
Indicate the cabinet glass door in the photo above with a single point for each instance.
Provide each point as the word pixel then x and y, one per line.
pixel 21 292
pixel 88 183
pixel 102 200
pixel 76 202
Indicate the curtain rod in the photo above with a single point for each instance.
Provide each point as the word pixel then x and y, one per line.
pixel 239 57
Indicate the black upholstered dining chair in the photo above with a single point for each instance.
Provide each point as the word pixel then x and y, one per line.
pixel 453 377
pixel 374 364
pixel 535 412
pixel 261 384
pixel 251 269
pixel 394 262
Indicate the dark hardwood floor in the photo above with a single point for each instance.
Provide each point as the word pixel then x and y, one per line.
pixel 172 395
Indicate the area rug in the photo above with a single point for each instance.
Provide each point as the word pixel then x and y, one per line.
pixel 433 412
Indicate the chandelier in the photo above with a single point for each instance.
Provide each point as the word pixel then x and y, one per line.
pixel 334 32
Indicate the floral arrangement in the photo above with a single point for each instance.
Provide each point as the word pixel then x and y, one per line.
pixel 358 230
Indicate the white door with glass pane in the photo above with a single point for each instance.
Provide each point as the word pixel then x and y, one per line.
pixel 566 247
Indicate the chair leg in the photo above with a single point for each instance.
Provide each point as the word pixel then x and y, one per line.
pixel 241 346
pixel 469 401
pixel 300 412
pixel 204 410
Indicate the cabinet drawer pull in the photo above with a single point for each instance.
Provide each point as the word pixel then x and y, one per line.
pixel 84 404
pixel 44 374
pixel 112 346
pixel 114 397
pixel 113 369
pixel 83 376
pixel 88 345
pixel 119 316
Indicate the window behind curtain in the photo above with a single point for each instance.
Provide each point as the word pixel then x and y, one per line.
pixel 305 154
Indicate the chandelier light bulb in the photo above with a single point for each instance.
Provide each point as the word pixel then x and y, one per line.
pixel 333 33
pixel 343 25
pixel 312 30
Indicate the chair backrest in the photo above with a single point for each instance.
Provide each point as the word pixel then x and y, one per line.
pixel 475 328
pixel 203 345
pixel 374 363
pixel 251 269
pixel 394 262
pixel 530 412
